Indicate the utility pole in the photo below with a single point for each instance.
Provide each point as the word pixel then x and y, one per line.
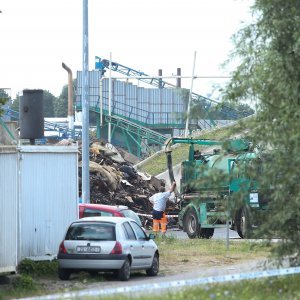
pixel 190 99
pixel 109 100
pixel 85 107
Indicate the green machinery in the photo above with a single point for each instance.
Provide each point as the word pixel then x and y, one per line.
pixel 204 204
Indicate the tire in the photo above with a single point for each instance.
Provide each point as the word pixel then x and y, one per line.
pixel 64 274
pixel 243 223
pixel 124 272
pixel 93 273
pixel 191 224
pixel 115 273
pixel 153 271
pixel 206 233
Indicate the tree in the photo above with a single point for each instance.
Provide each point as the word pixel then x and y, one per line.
pixel 228 110
pixel 49 102
pixel 4 97
pixel 225 110
pixel 1 110
pixel 15 103
pixel 269 51
pixel 61 104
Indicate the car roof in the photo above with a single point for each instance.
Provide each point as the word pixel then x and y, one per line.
pixel 103 206
pixel 115 220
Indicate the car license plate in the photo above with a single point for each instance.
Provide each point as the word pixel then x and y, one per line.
pixel 88 249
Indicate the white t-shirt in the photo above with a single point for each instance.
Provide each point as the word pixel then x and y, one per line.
pixel 159 200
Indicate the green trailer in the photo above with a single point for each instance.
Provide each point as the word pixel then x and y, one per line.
pixel 206 204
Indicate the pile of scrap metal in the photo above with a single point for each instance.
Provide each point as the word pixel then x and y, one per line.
pixel 114 181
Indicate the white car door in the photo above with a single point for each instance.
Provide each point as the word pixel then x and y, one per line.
pixel 145 257
pixel 132 244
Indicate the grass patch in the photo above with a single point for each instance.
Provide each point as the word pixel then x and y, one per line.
pixel 38 268
pixel 158 164
pixel 180 153
pixel 24 282
pixel 205 253
pixel 21 286
pixel 28 283
pixel 29 286
pixel 286 287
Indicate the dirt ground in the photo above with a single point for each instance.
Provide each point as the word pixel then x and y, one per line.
pixel 184 270
pixel 178 271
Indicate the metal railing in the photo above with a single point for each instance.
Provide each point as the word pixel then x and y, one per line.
pixel 208 104
pixel 62 131
pixel 137 115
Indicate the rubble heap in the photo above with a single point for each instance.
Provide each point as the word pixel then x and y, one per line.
pixel 114 181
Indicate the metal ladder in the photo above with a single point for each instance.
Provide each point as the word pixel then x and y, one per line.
pixel 138 133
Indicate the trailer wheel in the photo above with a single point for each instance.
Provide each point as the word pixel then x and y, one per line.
pixel 206 233
pixel 243 223
pixel 191 224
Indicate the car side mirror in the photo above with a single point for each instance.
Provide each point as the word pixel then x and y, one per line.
pixel 151 236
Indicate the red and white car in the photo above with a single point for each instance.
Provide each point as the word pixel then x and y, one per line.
pixel 102 210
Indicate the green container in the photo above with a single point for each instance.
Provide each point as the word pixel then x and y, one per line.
pixel 230 164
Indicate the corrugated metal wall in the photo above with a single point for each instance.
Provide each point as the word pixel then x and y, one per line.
pixel 151 106
pixel 48 198
pixel 38 198
pixel 8 204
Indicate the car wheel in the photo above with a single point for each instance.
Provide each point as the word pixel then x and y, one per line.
pixel 191 224
pixel 64 274
pixel 93 273
pixel 124 272
pixel 154 267
pixel 243 223
pixel 115 273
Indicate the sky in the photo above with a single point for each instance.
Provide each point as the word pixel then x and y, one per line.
pixel 38 35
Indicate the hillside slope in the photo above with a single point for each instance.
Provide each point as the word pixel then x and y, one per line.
pixel 156 164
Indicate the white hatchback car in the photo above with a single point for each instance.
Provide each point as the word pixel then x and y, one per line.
pixel 107 244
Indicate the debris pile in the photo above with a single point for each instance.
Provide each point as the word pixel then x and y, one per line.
pixel 114 181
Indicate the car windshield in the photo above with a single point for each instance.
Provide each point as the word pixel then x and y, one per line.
pixel 91 231
pixel 131 214
pixel 90 212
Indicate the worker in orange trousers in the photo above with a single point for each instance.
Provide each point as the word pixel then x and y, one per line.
pixel 159 201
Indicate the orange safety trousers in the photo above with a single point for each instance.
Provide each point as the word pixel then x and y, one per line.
pixel 160 224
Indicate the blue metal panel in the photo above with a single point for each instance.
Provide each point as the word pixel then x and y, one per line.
pixel 149 106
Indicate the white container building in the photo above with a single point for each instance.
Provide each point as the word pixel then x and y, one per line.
pixel 38 200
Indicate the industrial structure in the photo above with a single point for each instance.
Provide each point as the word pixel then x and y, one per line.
pixel 143 117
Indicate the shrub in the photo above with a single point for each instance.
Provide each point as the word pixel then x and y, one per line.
pixel 24 282
pixel 38 268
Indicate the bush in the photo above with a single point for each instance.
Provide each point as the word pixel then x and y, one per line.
pixel 38 268
pixel 24 282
